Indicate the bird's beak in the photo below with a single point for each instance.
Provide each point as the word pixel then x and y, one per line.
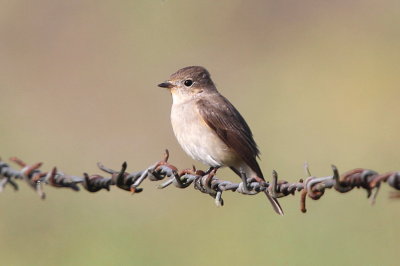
pixel 166 84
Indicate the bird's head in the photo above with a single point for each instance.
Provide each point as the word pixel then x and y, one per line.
pixel 189 82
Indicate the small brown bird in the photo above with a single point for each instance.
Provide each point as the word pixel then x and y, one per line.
pixel 209 128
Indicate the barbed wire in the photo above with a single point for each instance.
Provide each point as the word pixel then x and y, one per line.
pixel 203 181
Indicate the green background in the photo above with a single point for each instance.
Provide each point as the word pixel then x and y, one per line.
pixel 317 81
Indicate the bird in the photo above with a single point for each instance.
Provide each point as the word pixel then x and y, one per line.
pixel 209 128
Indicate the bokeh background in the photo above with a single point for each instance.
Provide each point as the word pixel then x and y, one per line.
pixel 317 81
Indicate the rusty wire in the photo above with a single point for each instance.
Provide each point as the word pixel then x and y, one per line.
pixel 205 182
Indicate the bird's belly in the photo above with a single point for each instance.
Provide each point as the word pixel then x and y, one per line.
pixel 197 139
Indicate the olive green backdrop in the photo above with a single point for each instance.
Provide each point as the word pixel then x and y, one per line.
pixel 317 81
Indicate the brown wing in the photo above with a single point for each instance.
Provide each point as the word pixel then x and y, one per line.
pixel 230 126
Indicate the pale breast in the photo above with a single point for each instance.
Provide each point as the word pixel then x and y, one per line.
pixel 197 139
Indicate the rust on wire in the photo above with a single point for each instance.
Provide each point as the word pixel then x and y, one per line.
pixel 203 181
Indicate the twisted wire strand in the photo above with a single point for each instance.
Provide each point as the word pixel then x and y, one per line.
pixel 205 182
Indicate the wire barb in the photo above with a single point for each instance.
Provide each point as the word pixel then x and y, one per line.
pixel 203 181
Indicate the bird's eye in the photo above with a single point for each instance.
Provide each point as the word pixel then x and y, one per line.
pixel 188 82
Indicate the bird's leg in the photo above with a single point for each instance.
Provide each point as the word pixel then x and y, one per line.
pixel 212 168
pixel 243 176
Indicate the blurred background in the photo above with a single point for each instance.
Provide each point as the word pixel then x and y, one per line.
pixel 317 81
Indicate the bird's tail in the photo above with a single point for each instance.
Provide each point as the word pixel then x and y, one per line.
pixel 274 202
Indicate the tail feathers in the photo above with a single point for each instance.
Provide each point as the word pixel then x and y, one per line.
pixel 274 202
